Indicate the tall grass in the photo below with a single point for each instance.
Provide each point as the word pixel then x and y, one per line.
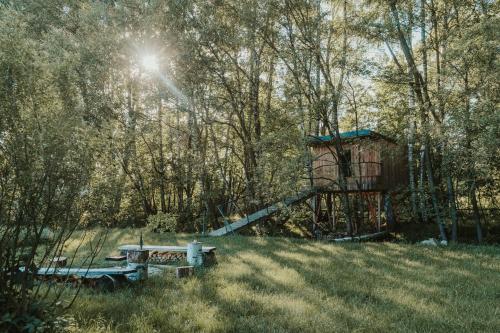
pixel 284 285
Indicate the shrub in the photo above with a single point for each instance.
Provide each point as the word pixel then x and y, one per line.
pixel 162 222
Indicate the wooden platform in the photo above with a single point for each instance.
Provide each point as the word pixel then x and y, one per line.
pixel 84 272
pixel 163 255
pixel 160 248
pixel 104 279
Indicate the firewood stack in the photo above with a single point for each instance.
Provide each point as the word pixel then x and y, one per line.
pixel 162 258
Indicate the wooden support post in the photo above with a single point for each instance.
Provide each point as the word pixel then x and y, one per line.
pixel 329 208
pixel 389 213
pixel 361 207
pixel 334 213
pixel 184 271
pixel 349 226
pixel 316 209
pixel 314 204
pixel 355 208
pixel 138 260
pixel 379 210
pixel 371 208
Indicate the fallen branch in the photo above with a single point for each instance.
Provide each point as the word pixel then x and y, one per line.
pixel 361 238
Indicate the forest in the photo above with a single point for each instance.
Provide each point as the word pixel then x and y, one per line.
pixel 176 118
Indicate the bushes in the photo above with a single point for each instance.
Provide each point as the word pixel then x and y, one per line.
pixel 162 222
pixel 46 163
pixel 35 318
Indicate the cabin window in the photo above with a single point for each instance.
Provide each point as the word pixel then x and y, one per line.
pixel 345 163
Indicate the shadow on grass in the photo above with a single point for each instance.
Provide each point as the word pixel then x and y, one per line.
pixel 284 285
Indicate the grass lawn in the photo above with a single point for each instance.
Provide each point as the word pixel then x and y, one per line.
pixel 285 285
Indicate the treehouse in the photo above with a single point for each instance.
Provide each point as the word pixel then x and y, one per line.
pixel 370 162
pixel 373 166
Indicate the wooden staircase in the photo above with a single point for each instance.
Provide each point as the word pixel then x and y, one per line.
pixel 263 213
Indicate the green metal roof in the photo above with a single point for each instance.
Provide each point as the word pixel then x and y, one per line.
pixel 347 135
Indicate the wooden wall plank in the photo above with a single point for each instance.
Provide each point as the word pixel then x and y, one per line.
pixel 382 165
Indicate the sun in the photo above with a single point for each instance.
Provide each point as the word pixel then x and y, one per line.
pixel 150 62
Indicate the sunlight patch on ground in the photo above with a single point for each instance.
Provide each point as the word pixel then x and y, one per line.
pixel 283 285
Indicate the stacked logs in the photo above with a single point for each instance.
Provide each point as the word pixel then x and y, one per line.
pixel 162 258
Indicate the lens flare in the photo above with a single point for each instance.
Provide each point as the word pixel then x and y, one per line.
pixel 150 62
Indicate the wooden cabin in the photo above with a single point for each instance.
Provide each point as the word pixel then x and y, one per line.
pixel 370 161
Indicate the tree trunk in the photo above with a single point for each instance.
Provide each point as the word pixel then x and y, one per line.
pixel 421 183
pixel 161 175
pixel 434 198
pixel 475 211
pixel 423 39
pixel 411 162
pixel 470 165
pixel 453 208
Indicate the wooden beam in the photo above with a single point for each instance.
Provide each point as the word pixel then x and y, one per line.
pixel 184 271
pixel 361 238
pixel 329 208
